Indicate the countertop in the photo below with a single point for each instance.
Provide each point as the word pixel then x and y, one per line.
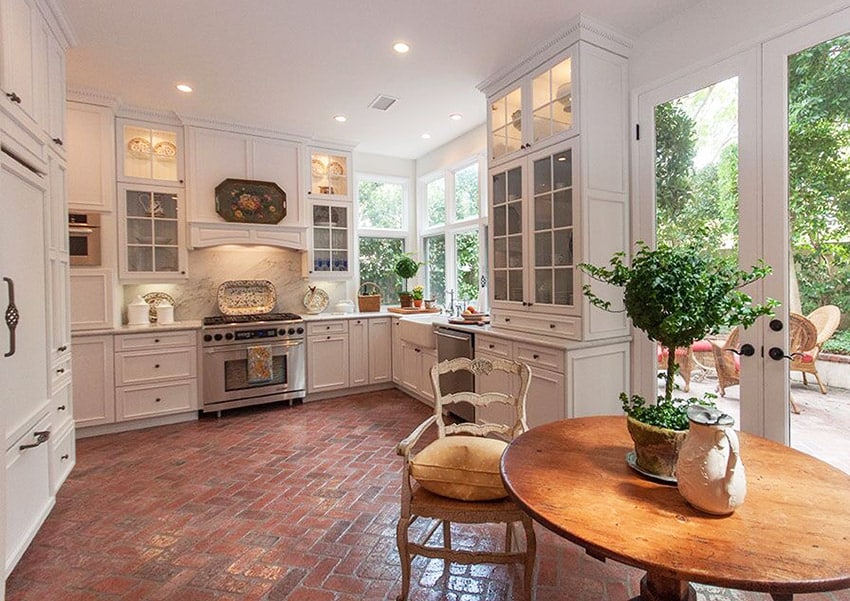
pixel 128 329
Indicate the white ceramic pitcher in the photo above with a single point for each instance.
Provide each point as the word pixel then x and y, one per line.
pixel 709 470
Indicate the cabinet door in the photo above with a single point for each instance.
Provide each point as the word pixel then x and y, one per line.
pixel 330 174
pixel 60 310
pixel 150 234
pixel 507 245
pixel 24 372
pixel 57 173
pixel 358 341
pixel 149 153
pixel 92 363
pixel 497 381
pixel 380 350
pixel 327 363
pixel 427 360
pixel 22 66
pixel 410 365
pixel 552 99
pixel 330 239
pixel 397 350
pixel 546 401
pixel 55 125
pixel 505 119
pixel 91 157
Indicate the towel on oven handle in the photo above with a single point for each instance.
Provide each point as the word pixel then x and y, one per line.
pixel 259 364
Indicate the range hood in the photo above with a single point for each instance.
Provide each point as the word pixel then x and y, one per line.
pixel 204 234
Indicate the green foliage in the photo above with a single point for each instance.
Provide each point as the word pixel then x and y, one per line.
pixel 679 294
pixel 839 344
pixel 467 266
pixel 466 192
pixel 377 260
pixel 435 255
pixel 675 148
pixel 664 413
pixel 406 267
pixel 381 204
pixel 435 201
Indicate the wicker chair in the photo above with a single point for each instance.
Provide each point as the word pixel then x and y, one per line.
pixel 826 320
pixel 725 362
pixel 417 502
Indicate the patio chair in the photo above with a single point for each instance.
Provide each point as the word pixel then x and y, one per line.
pixel 686 358
pixel 726 363
pixel 826 320
pixel 457 478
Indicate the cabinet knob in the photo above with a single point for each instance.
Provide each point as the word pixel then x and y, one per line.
pixel 65 457
pixel 492 346
pixel 180 181
pixel 13 97
pixel 157 399
pixel 62 349
pixel 60 408
pixel 535 356
pixel 156 339
pixel 329 338
pixel 58 141
pixel 418 350
pixel 61 370
pixel 551 326
pixel 156 366
pixel 507 319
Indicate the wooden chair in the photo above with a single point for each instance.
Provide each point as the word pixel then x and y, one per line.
pixel 419 502
pixel 825 320
pixel 726 362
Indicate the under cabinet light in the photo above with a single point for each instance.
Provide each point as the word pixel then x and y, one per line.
pixel 184 87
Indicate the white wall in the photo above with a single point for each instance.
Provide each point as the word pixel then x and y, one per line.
pixel 461 148
pixel 715 29
pixel 377 164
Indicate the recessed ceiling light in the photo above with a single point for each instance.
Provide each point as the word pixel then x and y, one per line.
pixel 455 116
pixel 426 136
pixel 401 47
pixel 184 87
pixel 340 118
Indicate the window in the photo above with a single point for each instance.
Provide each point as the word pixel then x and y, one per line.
pixel 382 204
pixel 452 235
pixel 377 259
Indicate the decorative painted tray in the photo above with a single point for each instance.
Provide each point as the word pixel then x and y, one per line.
pixel 154 299
pixel 316 300
pixel 246 297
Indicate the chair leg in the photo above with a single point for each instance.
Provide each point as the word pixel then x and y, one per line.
pixel 530 559
pixel 447 544
pixel 822 387
pixel 805 381
pixel 509 531
pixel 794 408
pixel 404 556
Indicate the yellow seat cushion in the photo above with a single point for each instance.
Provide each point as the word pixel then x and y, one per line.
pixel 461 467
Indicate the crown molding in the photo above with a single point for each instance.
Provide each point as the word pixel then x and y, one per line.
pixel 59 23
pixel 145 114
pixel 89 96
pixel 580 29
pixel 239 128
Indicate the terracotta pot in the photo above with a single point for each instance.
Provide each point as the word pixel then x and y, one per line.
pixel 417 302
pixel 406 299
pixel 656 449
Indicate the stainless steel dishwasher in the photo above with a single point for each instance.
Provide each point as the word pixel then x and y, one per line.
pixel 452 344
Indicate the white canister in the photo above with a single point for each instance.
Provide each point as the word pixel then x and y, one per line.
pixel 165 313
pixel 138 312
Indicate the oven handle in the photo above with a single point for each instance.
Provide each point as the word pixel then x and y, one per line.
pixel 80 230
pixel 235 348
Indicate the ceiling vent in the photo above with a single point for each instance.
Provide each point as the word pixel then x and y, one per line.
pixel 382 102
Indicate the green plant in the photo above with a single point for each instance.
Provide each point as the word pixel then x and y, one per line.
pixel 417 292
pixel 677 295
pixel 406 268
pixel 839 344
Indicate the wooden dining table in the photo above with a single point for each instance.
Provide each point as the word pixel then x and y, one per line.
pixel 791 535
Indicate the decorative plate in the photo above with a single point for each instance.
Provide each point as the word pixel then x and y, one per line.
pixel 139 147
pixel 318 168
pixel 335 168
pixel 246 297
pixel 316 300
pixel 631 459
pixel 165 150
pixel 154 299
pixel 250 201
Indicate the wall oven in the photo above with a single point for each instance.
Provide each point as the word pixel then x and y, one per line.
pixel 228 353
pixel 84 238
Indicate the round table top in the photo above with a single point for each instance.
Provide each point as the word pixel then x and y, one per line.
pixel 791 535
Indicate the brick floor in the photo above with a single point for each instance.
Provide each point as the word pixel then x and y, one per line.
pixel 273 503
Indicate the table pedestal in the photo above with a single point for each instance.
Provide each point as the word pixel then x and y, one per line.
pixel 660 588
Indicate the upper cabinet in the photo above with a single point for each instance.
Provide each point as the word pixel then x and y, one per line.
pixel 24 58
pixel 91 157
pixel 330 174
pixel 535 109
pixel 149 153
pixel 558 175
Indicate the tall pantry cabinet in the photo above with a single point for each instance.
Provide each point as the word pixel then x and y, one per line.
pixel 35 412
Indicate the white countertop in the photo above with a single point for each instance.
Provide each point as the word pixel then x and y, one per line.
pixel 194 324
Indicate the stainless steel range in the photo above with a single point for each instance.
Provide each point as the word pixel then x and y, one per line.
pixel 252 359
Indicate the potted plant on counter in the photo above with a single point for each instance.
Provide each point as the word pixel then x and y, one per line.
pixel 405 268
pixel 676 295
pixel 417 293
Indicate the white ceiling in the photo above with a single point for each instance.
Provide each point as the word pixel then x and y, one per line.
pixel 290 65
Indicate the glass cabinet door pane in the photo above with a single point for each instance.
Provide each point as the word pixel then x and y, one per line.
pixel 542 249
pixel 340 260
pixel 339 239
pixel 563 248
pixel 500 253
pixel 543 286
pixel 165 205
pixel 321 260
pixel 321 238
pixel 500 221
pixel 515 285
pixel 321 215
pixel 500 285
pixel 563 169
pixel 564 294
pixel 139 231
pixel 138 204
pixel 328 174
pixel 515 184
pixel 563 209
pixel 339 217
pixel 166 258
pixel 543 212
pixel 515 251
pixel 165 232
pixel 139 258
pixel 515 218
pixel 542 175
pixel 551 97
pixel 500 190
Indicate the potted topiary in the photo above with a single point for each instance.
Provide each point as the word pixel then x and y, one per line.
pixel 406 268
pixel 676 295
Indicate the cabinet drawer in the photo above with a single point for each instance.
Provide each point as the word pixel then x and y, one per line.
pixel 153 366
pixel 154 340
pixel 327 327
pixel 537 356
pixel 133 402
pixel 61 407
pixel 63 456
pixel 494 346
pixel 549 325
pixel 61 372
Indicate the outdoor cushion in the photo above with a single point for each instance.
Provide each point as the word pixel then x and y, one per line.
pixel 461 467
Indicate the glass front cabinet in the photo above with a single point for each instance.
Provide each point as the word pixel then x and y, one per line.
pixel 150 234
pixel 149 153
pixel 330 174
pixel 331 239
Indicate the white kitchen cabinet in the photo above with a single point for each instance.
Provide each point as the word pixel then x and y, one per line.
pixel 94 380
pixel 416 363
pixel 24 59
pixel 55 118
pixel 58 293
pixel 330 174
pixel 327 356
pixel 331 239
pixel 397 364
pixel 358 348
pixel 380 350
pixel 558 174
pixel 90 145
pixel 91 292
pixel 63 455
pixel 150 234
pixel 149 153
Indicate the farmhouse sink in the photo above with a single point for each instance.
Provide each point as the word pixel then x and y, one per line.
pixel 418 331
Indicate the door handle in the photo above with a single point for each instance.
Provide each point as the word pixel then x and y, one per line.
pixel 777 354
pixel 12 316
pixel 748 350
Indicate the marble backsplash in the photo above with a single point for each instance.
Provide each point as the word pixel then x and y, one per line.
pixel 196 297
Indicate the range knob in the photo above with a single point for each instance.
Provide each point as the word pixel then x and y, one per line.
pixel 281 332
pixel 217 336
pixel 207 338
pixel 229 336
pixel 300 330
pixel 291 331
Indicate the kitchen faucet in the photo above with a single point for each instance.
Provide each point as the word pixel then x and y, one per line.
pixel 451 304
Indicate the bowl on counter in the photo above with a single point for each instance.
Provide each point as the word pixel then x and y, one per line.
pixel 474 316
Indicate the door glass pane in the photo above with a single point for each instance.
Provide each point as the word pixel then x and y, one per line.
pixel 696 191
pixel 435 268
pixel 166 232
pixel 467 245
pixel 543 286
pixel 500 225
pixel 564 289
pixel 543 212
pixel 515 184
pixel 515 285
pixel 515 218
pixel 542 250
pixel 500 285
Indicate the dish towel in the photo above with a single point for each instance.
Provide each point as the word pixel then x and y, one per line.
pixel 259 364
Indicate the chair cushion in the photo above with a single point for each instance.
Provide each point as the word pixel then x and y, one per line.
pixel 701 346
pixel 461 467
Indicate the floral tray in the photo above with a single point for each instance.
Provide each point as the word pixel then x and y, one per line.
pixel 246 297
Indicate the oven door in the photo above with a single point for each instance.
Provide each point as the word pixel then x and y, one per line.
pixel 84 245
pixel 226 381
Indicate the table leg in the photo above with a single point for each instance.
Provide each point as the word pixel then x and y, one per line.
pixel 782 596
pixel 654 587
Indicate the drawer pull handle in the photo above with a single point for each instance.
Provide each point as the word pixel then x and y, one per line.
pixel 551 326
pixel 12 316
pixel 13 97
pixel 40 438
pixel 492 345
pixel 157 400
pixel 156 366
pixel 65 457
pixel 58 141
pixel 156 339
pixel 61 370
pixel 60 408
pixel 535 356
pixel 507 319
pixel 62 349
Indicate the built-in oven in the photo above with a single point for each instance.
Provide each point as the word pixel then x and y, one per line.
pixel 229 364
pixel 84 238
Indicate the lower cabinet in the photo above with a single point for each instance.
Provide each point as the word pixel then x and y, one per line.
pixel 416 363
pixel 380 350
pixel 327 356
pixel 92 359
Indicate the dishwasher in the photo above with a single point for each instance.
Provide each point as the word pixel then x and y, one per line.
pixel 452 344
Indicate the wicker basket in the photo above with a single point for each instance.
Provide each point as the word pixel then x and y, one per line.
pixel 367 302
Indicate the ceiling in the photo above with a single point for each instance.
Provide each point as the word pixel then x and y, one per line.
pixel 291 65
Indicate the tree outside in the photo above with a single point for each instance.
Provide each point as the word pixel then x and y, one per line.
pixel 377 259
